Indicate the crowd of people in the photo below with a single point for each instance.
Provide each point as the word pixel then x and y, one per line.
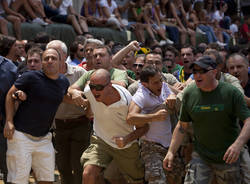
pixel 104 112
pixel 180 20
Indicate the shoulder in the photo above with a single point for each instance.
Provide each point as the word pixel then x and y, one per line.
pixel 170 78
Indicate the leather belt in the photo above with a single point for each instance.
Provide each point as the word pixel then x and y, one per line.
pixel 71 120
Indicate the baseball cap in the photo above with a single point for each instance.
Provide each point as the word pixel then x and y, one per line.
pixel 205 62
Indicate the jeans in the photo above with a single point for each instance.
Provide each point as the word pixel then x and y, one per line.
pixel 173 33
pixel 209 32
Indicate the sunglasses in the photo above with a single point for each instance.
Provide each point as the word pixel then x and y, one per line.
pixel 201 71
pixel 97 87
pixel 81 50
pixel 139 65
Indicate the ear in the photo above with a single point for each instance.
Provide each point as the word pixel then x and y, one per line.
pixel 145 84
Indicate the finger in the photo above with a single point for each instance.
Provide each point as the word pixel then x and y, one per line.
pixel 226 155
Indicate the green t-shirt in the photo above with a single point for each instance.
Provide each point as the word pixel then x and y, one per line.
pixel 131 74
pixel 116 75
pixel 213 115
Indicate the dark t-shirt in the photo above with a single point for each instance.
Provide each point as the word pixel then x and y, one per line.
pixel 213 115
pixel 35 115
pixel 7 78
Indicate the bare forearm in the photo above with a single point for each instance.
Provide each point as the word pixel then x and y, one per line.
pixel 10 107
pixel 247 101
pixel 244 134
pixel 178 136
pixel 140 120
pixel 118 57
pixel 136 134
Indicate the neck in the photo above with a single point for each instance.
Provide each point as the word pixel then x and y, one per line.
pixel 53 77
pixel 213 85
pixel 115 97
pixel 12 58
pixel 244 83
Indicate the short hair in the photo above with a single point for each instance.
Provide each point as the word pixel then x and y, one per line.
pixel 93 40
pixel 56 51
pixel 147 72
pixel 43 37
pixel 104 47
pixel 234 55
pixel 218 58
pixel 171 49
pixel 153 53
pixel 6 42
pixel 73 48
pixel 189 46
pixel 35 50
pixel 60 43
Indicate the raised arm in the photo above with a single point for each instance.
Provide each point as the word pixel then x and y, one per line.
pixel 118 57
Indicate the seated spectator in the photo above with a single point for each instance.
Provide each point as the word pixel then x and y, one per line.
pixel 110 11
pixel 63 12
pixel 92 11
pixel 10 15
pixel 37 6
pixel 245 31
pixel 13 8
pixel 3 25
pixel 136 15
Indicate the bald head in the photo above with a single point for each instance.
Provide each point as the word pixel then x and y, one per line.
pixel 101 76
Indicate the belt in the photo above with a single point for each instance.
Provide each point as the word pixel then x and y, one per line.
pixel 71 123
pixel 81 118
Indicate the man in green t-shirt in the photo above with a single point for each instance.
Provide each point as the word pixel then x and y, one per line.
pixel 213 108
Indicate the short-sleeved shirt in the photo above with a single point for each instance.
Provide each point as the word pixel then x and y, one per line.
pixel 63 9
pixel 35 115
pixel 160 131
pixel 213 115
pixel 7 78
pixel 71 111
pixel 104 3
pixel 116 75
pixel 111 120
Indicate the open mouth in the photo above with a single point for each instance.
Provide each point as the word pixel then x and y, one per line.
pixel 185 62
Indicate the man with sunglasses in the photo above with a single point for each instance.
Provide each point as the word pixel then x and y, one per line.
pixel 212 107
pixel 109 104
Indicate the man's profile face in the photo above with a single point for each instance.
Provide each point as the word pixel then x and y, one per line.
pixel 101 58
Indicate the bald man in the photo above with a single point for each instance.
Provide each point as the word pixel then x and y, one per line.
pixel 109 104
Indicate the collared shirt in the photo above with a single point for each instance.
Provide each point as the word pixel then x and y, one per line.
pixel 7 78
pixel 159 132
pixel 70 111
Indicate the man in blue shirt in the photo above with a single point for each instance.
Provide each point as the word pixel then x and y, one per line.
pixel 7 78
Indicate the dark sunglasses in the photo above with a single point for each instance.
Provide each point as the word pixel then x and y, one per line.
pixel 97 87
pixel 140 65
pixel 201 71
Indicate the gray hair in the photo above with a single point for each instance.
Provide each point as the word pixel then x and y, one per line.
pixel 235 55
pixel 60 43
pixel 93 40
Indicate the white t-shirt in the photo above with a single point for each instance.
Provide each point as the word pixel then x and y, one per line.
pixel 217 16
pixel 63 9
pixel 234 28
pixel 110 121
pixel 104 3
